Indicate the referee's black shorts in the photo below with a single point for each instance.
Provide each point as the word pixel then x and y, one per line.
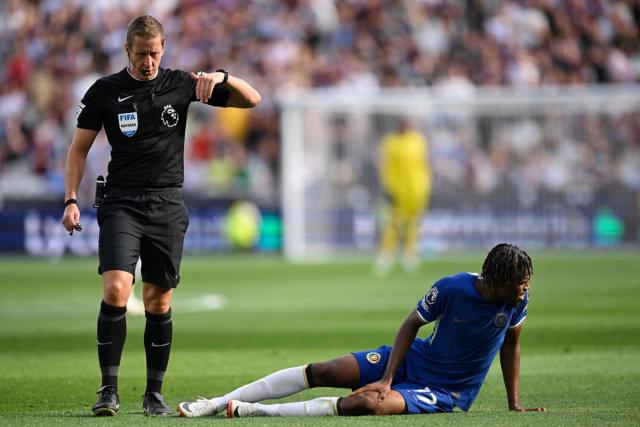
pixel 149 224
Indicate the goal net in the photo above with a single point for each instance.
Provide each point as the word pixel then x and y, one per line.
pixel 540 167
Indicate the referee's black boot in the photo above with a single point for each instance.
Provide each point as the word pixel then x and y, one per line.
pixel 153 404
pixel 108 402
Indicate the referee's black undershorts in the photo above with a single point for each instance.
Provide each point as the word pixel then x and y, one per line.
pixel 149 224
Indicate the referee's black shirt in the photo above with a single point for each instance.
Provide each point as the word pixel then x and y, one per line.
pixel 145 123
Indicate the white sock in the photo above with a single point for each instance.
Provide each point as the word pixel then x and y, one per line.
pixel 311 408
pixel 278 384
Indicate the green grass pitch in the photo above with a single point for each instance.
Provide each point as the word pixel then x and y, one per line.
pixel 580 345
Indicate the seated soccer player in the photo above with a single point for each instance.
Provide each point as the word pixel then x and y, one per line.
pixel 476 315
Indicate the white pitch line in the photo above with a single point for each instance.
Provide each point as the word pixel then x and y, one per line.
pixel 208 302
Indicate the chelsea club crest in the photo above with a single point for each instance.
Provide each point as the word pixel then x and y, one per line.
pixel 500 320
pixel 373 357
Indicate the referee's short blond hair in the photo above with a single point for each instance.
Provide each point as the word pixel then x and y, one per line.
pixel 144 26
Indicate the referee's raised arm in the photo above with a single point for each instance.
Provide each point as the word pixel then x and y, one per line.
pixel 241 93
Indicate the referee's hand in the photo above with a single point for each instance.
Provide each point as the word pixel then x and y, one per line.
pixel 205 83
pixel 71 218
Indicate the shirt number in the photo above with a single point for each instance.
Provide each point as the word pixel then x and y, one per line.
pixel 425 395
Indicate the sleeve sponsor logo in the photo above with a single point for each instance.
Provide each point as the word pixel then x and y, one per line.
pixel 429 298
pixel 79 110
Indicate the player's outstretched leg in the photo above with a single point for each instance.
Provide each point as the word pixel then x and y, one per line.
pixel 278 384
pixel 342 372
pixel 359 404
pixel 311 408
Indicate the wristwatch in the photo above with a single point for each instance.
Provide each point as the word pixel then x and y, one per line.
pixel 226 75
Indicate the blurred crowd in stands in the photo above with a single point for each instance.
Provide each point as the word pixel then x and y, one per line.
pixel 52 50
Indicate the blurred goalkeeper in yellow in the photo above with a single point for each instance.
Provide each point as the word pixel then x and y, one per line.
pixel 406 180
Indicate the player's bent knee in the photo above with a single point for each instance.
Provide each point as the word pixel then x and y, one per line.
pixel 359 404
pixel 342 372
pixel 368 404
pixel 319 374
pixel 325 374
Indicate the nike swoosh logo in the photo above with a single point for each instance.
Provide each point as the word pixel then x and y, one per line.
pixel 236 413
pixel 125 98
pixel 160 345
pixel 105 343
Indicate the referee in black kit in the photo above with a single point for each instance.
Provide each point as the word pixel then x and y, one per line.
pixel 143 110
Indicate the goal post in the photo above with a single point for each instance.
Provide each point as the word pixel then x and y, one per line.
pixel 542 167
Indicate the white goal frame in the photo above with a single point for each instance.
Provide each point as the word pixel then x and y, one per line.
pixel 415 101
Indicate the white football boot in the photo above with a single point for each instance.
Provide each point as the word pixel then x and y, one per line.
pixel 200 408
pixel 238 409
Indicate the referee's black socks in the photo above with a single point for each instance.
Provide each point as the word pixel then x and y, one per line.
pixel 112 331
pixel 157 344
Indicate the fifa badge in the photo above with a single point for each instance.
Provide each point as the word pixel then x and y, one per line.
pixel 128 123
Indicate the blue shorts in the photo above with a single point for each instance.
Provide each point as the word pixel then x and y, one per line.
pixel 420 398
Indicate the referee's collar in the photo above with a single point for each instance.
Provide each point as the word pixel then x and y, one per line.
pixel 143 81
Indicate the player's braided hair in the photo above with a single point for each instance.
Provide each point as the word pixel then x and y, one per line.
pixel 144 26
pixel 506 265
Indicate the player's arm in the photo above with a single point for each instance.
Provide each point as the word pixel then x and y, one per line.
pixel 76 158
pixel 510 364
pixel 404 338
pixel 241 93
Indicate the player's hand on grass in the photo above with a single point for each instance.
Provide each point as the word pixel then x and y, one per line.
pixel 382 388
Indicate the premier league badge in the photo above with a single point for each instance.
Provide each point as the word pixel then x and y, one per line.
pixel 169 116
pixel 432 295
pixel 128 123
pixel 429 298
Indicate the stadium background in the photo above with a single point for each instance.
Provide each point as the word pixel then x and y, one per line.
pixel 564 180
pixel 53 50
